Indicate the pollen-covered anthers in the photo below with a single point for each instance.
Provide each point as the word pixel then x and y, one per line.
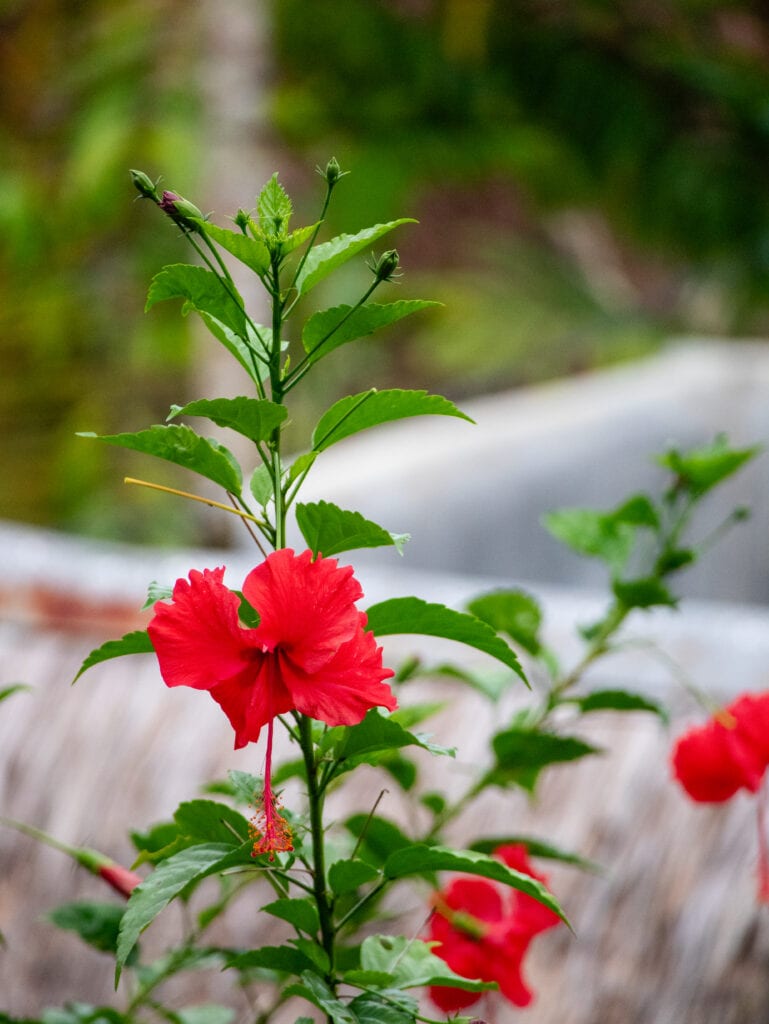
pixel 270 831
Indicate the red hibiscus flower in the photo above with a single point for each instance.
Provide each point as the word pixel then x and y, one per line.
pixel 484 931
pixel 310 653
pixel 728 753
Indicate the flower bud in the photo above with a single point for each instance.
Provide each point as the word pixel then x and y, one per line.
pixel 181 211
pixel 242 220
pixel 333 172
pixel 121 879
pixel 144 186
pixel 384 268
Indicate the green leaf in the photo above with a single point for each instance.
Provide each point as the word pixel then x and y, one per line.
pixel 597 534
pixel 536 848
pixel 96 923
pixel 345 876
pixel 379 838
pixel 77 1013
pixel 387 1008
pixel 274 209
pixel 286 959
pixel 643 593
pixel 331 328
pixel 249 354
pixel 8 691
pixel 137 642
pixel 412 615
pixel 166 882
pixel 355 744
pixel 204 291
pixel 617 700
pixel 262 485
pixel 246 787
pixel 330 530
pixel 301 913
pixel 418 859
pixel 204 1013
pixel 208 821
pixel 325 258
pixel 297 238
pixel 700 469
pixel 523 750
pixel 181 445
pixel 254 418
pixel 250 251
pixel 412 964
pixel 157 592
pixel 638 511
pixel 512 612
pixel 370 408
pixel 491 684
pixel 315 990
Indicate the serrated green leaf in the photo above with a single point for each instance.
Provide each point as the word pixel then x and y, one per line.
pixel 96 923
pixel 512 612
pixel 526 750
pixel 593 533
pixel 643 593
pixel 245 785
pixel 412 963
pixel 378 836
pixel 331 328
pixel 412 615
pixel 207 821
pixel 368 979
pixel 325 258
pixel 330 530
pixel 297 237
pixel 273 207
pixel 301 465
pixel 417 859
pixel 302 913
pixel 618 700
pixel 182 446
pixel 352 745
pixel 250 251
pixel 700 469
pixel 252 356
pixel 254 418
pixel 536 848
pixel 137 642
pixel 203 290
pixel 370 1008
pixel 315 990
pixel 345 876
pixel 157 592
pixel 286 959
pixel 371 408
pixel 166 882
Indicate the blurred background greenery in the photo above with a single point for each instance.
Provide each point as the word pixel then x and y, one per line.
pixel 589 176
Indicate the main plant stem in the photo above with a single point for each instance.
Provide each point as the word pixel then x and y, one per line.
pixel 315 800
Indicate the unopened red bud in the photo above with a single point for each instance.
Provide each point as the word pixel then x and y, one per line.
pixel 181 210
pixel 121 879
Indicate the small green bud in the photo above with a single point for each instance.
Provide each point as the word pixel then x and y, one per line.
pixel 242 220
pixel 332 172
pixel 384 268
pixel 144 186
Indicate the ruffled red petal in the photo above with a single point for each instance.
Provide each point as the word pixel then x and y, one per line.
pixel 346 686
pixel 531 917
pixel 712 762
pixel 306 606
pixel 197 638
pixel 751 714
pixel 252 699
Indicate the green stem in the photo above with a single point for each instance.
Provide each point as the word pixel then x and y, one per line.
pixel 315 800
pixel 310 244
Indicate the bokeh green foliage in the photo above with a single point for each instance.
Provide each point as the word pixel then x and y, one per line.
pixel 86 89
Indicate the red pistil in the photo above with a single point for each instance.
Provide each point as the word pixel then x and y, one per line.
pixel 271 832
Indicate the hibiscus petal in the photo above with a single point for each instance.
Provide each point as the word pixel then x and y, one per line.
pixel 529 915
pixel 751 712
pixel 197 638
pixel 712 763
pixel 346 686
pixel 306 606
pixel 253 698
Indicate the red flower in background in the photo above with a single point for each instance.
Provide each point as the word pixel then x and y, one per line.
pixel 728 753
pixel 310 653
pixel 484 931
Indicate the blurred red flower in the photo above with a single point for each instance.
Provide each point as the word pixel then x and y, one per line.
pixel 728 753
pixel 484 931
pixel 310 653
